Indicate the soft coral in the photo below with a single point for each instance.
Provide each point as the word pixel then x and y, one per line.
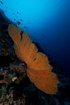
pixel 38 70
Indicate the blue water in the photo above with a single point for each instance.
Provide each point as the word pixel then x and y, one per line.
pixel 48 24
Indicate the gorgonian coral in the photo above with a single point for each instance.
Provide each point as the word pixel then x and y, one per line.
pixel 38 70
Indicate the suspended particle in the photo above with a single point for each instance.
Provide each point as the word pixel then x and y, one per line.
pixel 6 7
pixel 17 12
pixel 21 20
pixel 14 19
pixel 18 22
pixel 1 2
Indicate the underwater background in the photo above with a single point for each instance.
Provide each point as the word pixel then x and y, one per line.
pixel 48 24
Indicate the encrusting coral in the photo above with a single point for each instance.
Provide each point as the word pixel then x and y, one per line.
pixel 38 70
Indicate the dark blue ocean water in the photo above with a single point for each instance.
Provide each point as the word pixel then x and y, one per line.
pixel 48 24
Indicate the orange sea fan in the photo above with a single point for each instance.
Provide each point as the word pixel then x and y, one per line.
pixel 38 70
